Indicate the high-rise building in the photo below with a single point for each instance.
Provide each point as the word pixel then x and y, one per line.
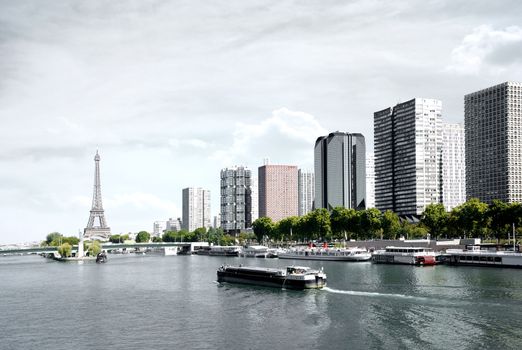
pixel 277 185
pixel 196 208
pixel 340 171
pixel 255 197
pixel 236 199
pixel 493 127
pixel 158 228
pixel 407 146
pixel 305 191
pixel 173 224
pixel 453 165
pixel 370 180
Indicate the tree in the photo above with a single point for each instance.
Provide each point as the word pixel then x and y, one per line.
pixel 435 218
pixel 284 229
pixel 65 250
pixel 94 248
pixel 142 237
pixel 500 218
pixel 157 239
pixel 53 237
pixel 115 238
pixel 470 218
pixel 170 236
pixel 339 221
pixel 391 225
pixel 370 222
pixel 262 227
pixel 317 223
pixel 200 234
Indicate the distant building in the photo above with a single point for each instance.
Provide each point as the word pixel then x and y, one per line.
pixel 255 197
pixel 158 228
pixel 236 199
pixel 217 221
pixel 340 171
pixel 196 208
pixel 407 146
pixel 370 180
pixel 305 191
pixel 493 127
pixel 173 224
pixel 277 191
pixel 453 165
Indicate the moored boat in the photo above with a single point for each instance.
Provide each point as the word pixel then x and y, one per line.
pixel 293 277
pixel 334 254
pixel 492 255
pixel 406 255
pixel 254 251
pixel 218 250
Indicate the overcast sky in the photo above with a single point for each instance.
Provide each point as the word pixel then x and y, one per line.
pixel 170 92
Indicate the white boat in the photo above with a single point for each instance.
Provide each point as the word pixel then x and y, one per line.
pixel 231 250
pixel 485 255
pixel 335 254
pixel 170 251
pixel 406 255
pixel 254 251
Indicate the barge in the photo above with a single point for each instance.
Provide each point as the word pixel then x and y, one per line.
pixel 342 254
pixel 406 255
pixel 293 277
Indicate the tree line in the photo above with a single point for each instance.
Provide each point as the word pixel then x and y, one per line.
pixel 470 219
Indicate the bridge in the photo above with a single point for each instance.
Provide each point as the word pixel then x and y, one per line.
pixel 185 247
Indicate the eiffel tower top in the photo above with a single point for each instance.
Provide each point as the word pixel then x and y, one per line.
pixel 97 157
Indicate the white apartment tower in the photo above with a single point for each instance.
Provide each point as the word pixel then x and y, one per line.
pixel 370 180
pixel 493 124
pixel 236 199
pixel 408 142
pixel 305 191
pixel 453 165
pixel 196 208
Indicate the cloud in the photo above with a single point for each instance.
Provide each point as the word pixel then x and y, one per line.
pixel 286 136
pixel 487 48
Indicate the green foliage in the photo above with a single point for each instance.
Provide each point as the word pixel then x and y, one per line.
pixel 284 229
pixel 115 239
pixel 200 234
pixel 435 218
pixel 53 237
pixel 228 240
pixel 370 222
pixel 470 218
pixel 317 223
pixel 142 237
pixel 93 248
pixel 170 236
pixel 391 225
pixel 246 237
pixel 263 227
pixel 65 250
pixel 156 239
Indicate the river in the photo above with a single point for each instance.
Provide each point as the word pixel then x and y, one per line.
pixel 174 302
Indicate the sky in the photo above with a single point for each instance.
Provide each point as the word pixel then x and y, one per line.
pixel 171 92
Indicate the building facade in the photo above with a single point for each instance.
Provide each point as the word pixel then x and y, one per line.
pixel 173 224
pixel 407 148
pixel 236 199
pixel 370 180
pixel 277 186
pixel 453 165
pixel 493 128
pixel 305 191
pixel 196 208
pixel 158 228
pixel 340 171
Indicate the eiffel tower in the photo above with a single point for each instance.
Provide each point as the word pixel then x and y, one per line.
pixel 101 232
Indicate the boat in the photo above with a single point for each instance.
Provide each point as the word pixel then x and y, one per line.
pixel 292 277
pixel 231 250
pixel 101 258
pixel 406 255
pixel 334 254
pixel 254 251
pixel 274 252
pixel 493 255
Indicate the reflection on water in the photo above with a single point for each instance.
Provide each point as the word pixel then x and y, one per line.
pixel 175 302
